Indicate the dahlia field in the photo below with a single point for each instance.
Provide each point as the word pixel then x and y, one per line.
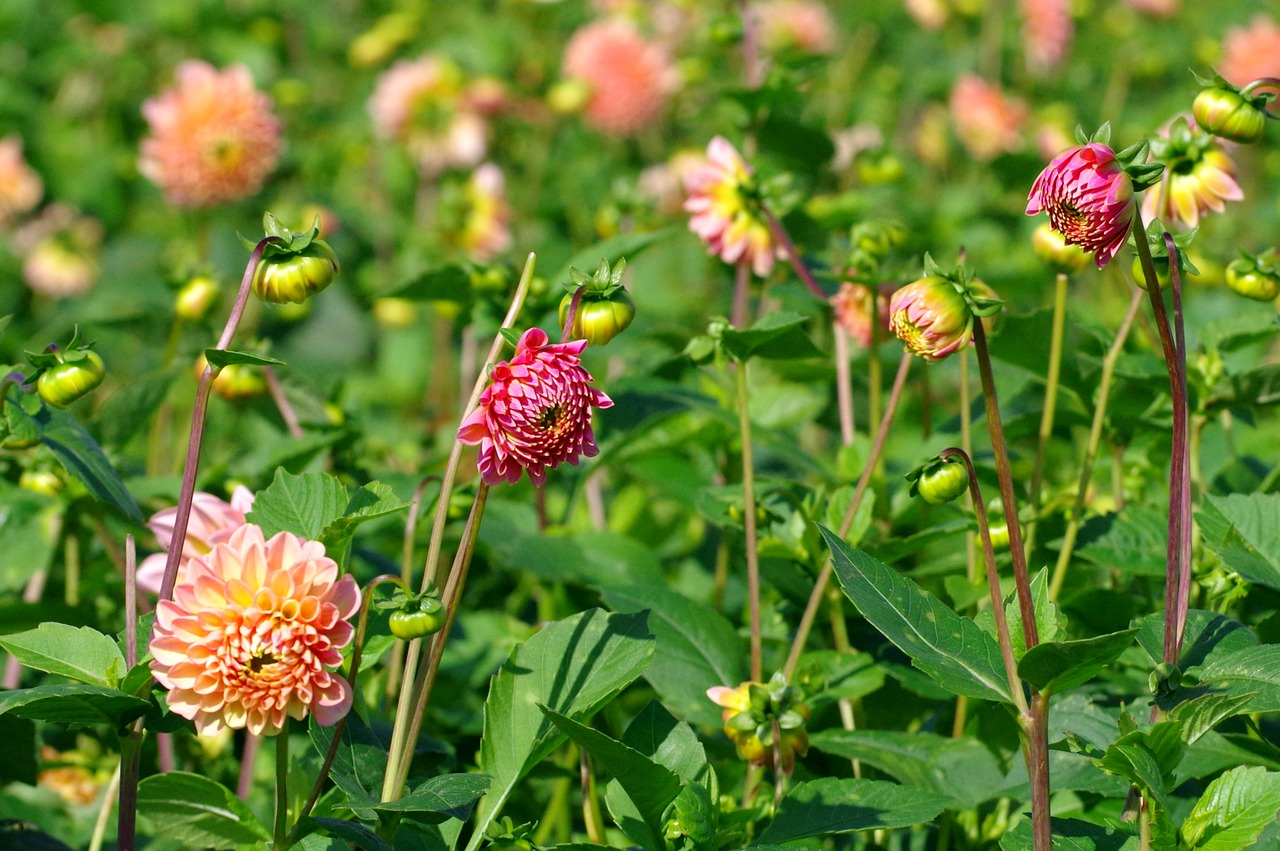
pixel 678 425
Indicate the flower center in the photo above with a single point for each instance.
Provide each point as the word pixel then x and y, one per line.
pixel 549 417
pixel 260 659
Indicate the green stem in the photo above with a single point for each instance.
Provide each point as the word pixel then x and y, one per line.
pixel 280 835
pixel 824 575
pixel 844 385
pixel 591 803
pixel 1000 450
pixel 1091 450
pixel 104 811
pixel 1036 728
pixel 966 443
pixel 1050 400
pixel 130 765
pixel 749 519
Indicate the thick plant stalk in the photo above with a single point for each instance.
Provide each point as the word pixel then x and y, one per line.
pixel 824 575
pixel 280 832
pixel 1091 450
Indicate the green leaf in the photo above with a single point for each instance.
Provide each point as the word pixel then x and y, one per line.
pixel 962 769
pixel 1233 810
pixel 19 763
pixel 774 335
pixel 649 787
pixel 656 733
pixel 696 648
pixel 573 667
pixel 369 502
pixel 74 705
pixel 839 805
pixel 952 650
pixel 197 811
pixel 359 764
pixel 1253 670
pixel 1244 531
pixel 1048 627
pixel 1239 330
pixel 131 407
pixel 303 503
pixel 352 832
pixel 1253 388
pixel 1147 758
pixel 447 283
pixel 29 527
pixel 440 798
pixel 1132 542
pixel 84 654
pixel 225 357
pixel 1205 633
pixel 1075 835
pixel 1200 715
pixel 1055 666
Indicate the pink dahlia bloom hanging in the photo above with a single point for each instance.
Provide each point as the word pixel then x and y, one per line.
pixel 1089 199
pixel 723 197
pixel 250 639
pixel 536 413
pixel 213 137
pixel 212 520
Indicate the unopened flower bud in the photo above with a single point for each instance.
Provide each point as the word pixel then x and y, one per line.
pixel 931 317
pixel 1228 114
pixel 1055 252
pixel 196 298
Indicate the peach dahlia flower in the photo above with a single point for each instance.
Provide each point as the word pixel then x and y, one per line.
pixel 628 76
pixel 20 186
pixel 213 137
pixel 1251 51
pixel 250 638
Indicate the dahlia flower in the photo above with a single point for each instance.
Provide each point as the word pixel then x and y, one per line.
pixel 249 638
pixel 536 413
pixel 751 711
pixel 931 317
pixel 800 24
pixel 20 186
pixel 213 137
pixel 1046 33
pixel 1089 199
pixel 627 75
pixel 486 230
pixel 987 121
pixel 723 198
pixel 852 310
pixel 60 250
pixel 1251 51
pixel 1157 8
pixel 422 104
pixel 212 520
pixel 1192 187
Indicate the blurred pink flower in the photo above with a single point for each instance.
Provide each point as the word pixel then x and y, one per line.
pixel 1189 189
pixel 1251 51
pixel 423 104
pixel 988 122
pixel 1158 8
pixel 20 186
pixel 1089 199
pixel 536 413
pixel 60 250
pixel 931 317
pixel 213 137
pixel 930 14
pixel 212 520
pixel 486 230
pixel 1046 33
pixel 851 306
pixel 628 76
pixel 249 638
pixel 801 24
pixel 722 197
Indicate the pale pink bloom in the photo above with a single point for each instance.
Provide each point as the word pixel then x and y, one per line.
pixel 802 24
pixel 60 250
pixel 1089 199
pixel 851 307
pixel 988 122
pixel 1158 8
pixel 249 639
pixel 20 186
pixel 1046 33
pixel 1251 51
pixel 486 230
pixel 213 137
pixel 930 14
pixel 536 412
pixel 1188 191
pixel 423 104
pixel 726 214
pixel 212 520
pixel 628 76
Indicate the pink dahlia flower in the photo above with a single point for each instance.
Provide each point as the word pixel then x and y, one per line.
pixel 852 311
pixel 1046 33
pixel 424 104
pixel 1251 51
pixel 486 230
pixel 1157 8
pixel 212 520
pixel 628 76
pixel 931 317
pixel 1189 190
pixel 536 413
pixel 213 137
pixel 1089 199
pixel 800 24
pixel 988 122
pixel 60 249
pixel 20 186
pixel 249 638
pixel 721 195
